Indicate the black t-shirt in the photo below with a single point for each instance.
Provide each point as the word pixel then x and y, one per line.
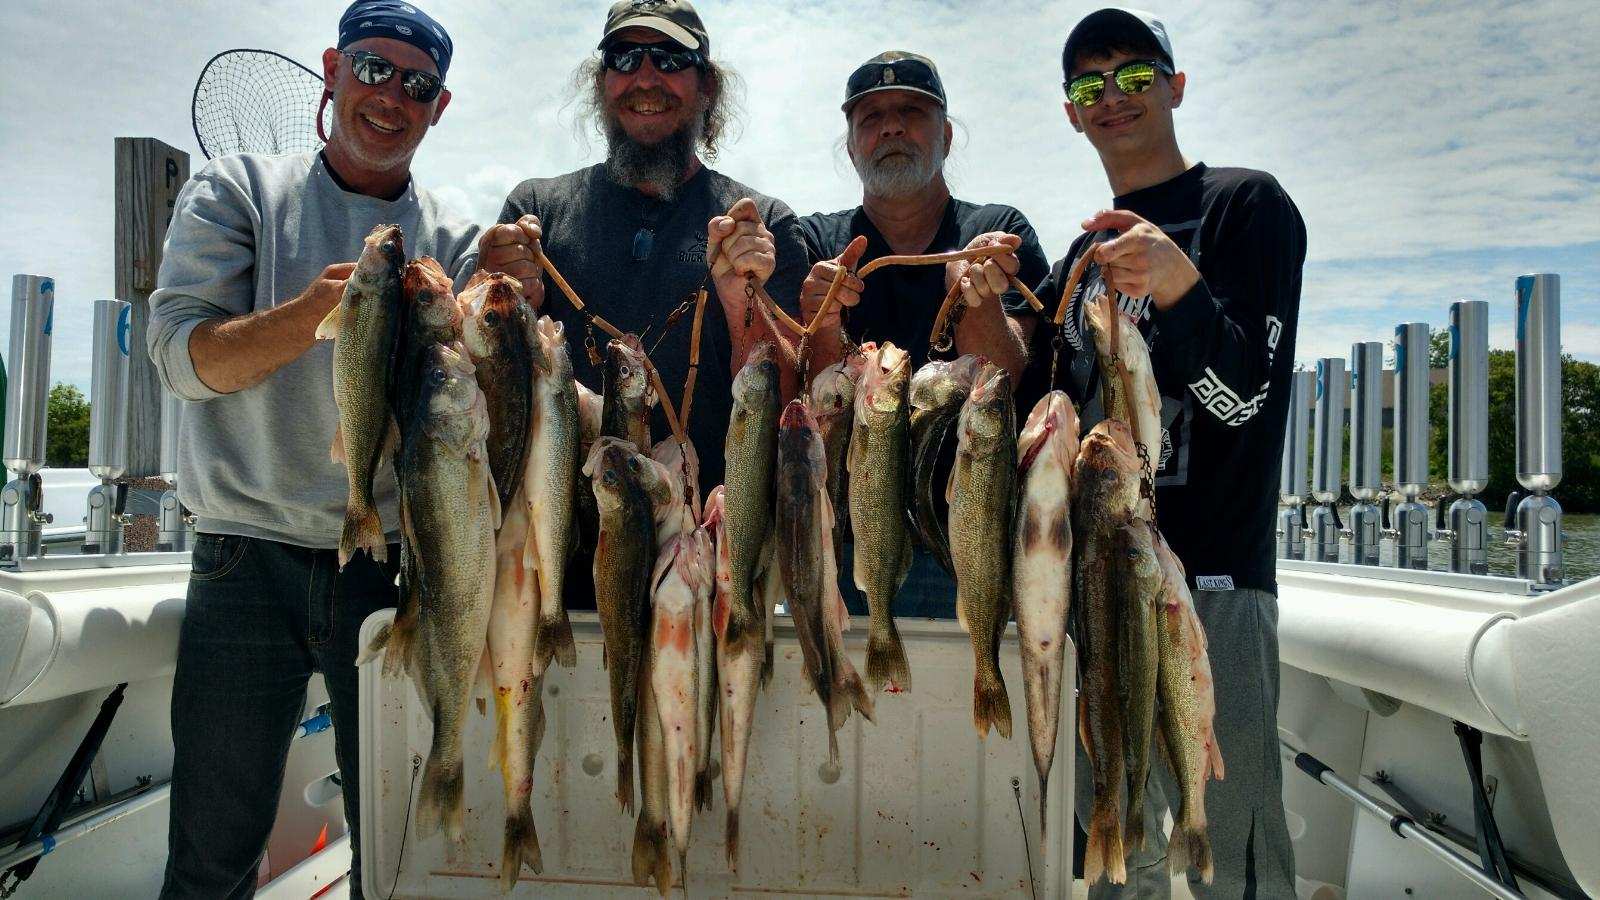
pixel 632 260
pixel 1222 358
pixel 900 302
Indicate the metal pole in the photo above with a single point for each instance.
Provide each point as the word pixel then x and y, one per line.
pixel 1538 532
pixel 1410 517
pixel 1401 824
pixel 1327 476
pixel 33 300
pixel 108 428
pixel 1366 463
pixel 1292 487
pixel 1469 436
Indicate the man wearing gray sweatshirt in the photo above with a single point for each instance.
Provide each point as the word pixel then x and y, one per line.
pixel 257 253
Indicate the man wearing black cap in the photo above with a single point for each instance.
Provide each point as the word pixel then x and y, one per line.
pixel 636 234
pixel 1206 261
pixel 898 136
pixel 258 252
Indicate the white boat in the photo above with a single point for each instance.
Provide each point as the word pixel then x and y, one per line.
pixel 1423 715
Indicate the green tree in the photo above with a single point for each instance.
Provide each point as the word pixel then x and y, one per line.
pixel 1439 347
pixel 67 443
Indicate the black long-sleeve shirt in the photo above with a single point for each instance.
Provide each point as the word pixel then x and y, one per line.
pixel 1222 357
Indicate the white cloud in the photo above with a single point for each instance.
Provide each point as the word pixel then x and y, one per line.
pixel 1411 136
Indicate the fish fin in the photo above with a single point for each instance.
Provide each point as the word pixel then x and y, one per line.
pixel 1213 759
pixel 379 641
pixel 1103 853
pixel 851 691
pixel 625 782
pixel 990 705
pixel 328 328
pixel 439 802
pixel 398 640
pixel 1188 848
pixel 1044 810
pixel 336 449
pixel 650 854
pixel 495 513
pixel 731 838
pixel 553 639
pixel 521 846
pixel 1133 835
pixel 363 530
pixel 886 659
pixel 702 789
pixel 766 664
pixel 555 634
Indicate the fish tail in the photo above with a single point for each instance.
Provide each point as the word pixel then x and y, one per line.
pixel 886 657
pixel 990 705
pixel 1103 854
pixel 1044 809
pixel 1189 846
pixel 625 780
pixel 521 846
pixel 555 639
pixel 702 789
pixel 439 802
pixel 379 642
pixel 363 530
pixel 850 691
pixel 731 833
pixel 649 851
pixel 1134 833
pixel 398 641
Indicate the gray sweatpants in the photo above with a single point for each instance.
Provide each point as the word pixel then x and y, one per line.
pixel 1250 845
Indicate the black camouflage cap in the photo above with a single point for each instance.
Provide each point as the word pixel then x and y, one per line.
pixel 894 70
pixel 674 18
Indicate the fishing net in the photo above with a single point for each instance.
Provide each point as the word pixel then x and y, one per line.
pixel 257 101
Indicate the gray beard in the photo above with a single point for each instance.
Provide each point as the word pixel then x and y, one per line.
pixel 899 177
pixel 653 168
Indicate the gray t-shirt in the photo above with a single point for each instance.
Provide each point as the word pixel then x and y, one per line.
pixel 249 232
pixel 633 259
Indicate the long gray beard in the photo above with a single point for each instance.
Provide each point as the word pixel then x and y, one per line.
pixel 654 168
pixel 900 177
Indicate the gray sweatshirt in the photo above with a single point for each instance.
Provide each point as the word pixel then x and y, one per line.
pixel 248 232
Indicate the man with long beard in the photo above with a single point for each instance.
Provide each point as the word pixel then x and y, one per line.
pixel 638 235
pixel 898 138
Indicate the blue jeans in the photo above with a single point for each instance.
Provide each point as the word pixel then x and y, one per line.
pixel 261 617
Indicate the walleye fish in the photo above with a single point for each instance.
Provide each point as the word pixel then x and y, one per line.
pixel 1188 706
pixel 449 510
pixel 627 488
pixel 981 509
pixel 431 316
pixel 651 861
pixel 738 675
pixel 877 460
pixel 938 390
pixel 625 401
pixel 833 400
pixel 1127 382
pixel 1105 493
pixel 685 569
pixel 810 574
pixel 680 458
pixel 590 406
pixel 517 675
pixel 496 329
pixel 1041 573
pixel 1140 579
pixel 364 327
pixel 551 472
pixel 749 450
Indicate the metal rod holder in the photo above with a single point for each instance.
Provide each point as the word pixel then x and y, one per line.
pixel 1366 443
pixel 1537 535
pixel 27 402
pixel 1327 469
pixel 1467 529
pixel 174 523
pixel 108 429
pixel 1292 480
pixel 1409 524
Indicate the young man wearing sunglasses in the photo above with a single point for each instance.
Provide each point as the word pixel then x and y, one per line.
pixel 898 136
pixel 1206 262
pixel 636 234
pixel 257 253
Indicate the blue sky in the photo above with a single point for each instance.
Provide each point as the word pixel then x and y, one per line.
pixel 1436 150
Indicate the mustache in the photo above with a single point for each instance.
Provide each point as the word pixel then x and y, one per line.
pixel 897 145
pixel 655 96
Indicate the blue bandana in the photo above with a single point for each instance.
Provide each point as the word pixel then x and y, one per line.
pixel 397 21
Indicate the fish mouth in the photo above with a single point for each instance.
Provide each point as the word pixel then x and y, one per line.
pixel 796 415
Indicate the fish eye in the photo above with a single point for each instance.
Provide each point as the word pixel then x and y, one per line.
pixel 623 371
pixel 491 317
pixel 633 464
pixel 609 477
pixel 437 376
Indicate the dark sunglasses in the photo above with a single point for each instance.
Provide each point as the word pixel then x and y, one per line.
pixel 370 68
pixel 626 58
pixel 1131 77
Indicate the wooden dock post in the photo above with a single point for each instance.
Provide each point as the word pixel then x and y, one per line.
pixel 148 176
